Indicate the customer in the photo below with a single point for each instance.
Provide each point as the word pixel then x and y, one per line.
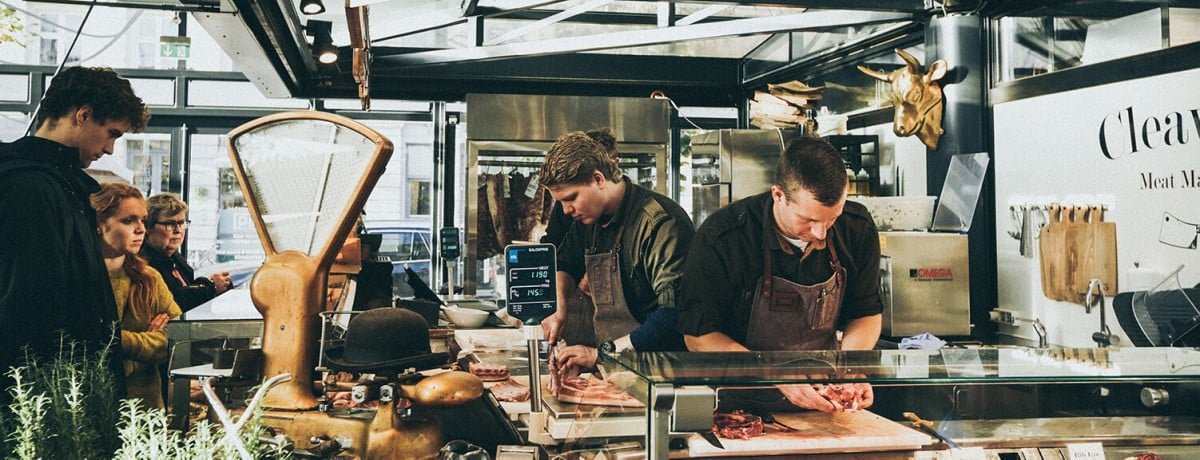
pixel 143 302
pixel 166 228
pixel 52 277
pixel 787 269
pixel 629 241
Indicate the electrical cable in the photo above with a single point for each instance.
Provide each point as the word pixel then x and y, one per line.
pixel 34 115
pixel 658 94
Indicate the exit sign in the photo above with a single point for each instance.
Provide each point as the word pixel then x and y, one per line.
pixel 174 47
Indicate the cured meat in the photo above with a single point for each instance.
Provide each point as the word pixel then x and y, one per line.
pixel 847 398
pixel 510 391
pixel 498 207
pixel 552 355
pixel 737 425
pixel 487 245
pixel 593 392
pixel 490 372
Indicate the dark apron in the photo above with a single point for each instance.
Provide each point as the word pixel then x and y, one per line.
pixel 788 316
pixel 612 319
pixel 792 316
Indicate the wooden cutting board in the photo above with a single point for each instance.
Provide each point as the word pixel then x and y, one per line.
pixel 817 432
pixel 1076 245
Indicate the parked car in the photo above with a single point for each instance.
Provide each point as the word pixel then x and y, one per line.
pixel 406 246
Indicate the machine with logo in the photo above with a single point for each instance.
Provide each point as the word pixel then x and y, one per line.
pixel 925 275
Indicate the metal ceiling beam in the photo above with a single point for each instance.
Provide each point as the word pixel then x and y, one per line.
pixel 900 6
pixel 438 20
pixel 551 20
pixel 633 38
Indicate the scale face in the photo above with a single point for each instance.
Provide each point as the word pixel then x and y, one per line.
pixel 532 292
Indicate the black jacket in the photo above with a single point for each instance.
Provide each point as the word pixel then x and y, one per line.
pixel 52 275
pixel 190 295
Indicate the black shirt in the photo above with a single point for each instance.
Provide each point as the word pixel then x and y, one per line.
pixel 52 275
pixel 190 293
pixel 725 264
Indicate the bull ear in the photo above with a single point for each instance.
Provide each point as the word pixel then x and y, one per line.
pixel 937 70
pixel 875 73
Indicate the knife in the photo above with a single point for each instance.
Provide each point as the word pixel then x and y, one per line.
pixel 712 439
pixel 927 426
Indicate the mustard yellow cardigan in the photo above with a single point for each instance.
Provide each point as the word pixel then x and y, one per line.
pixel 144 350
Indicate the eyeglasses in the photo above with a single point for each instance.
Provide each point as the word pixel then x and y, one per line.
pixel 180 224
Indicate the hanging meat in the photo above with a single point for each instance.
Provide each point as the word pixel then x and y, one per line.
pixel 488 243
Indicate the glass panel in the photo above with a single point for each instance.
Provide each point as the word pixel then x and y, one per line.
pixel 1028 46
pixel 142 159
pixel 212 93
pixel 13 125
pixel 221 229
pixel 772 54
pixel 953 365
pixel 154 91
pixel 14 87
pixel 303 174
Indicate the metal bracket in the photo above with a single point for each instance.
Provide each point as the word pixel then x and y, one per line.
pixel 693 408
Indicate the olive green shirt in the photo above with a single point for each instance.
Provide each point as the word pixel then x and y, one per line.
pixel 725 265
pixel 653 249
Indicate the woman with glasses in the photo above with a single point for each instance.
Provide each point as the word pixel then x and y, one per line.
pixel 144 305
pixel 166 227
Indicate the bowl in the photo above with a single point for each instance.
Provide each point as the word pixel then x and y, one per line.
pixel 466 317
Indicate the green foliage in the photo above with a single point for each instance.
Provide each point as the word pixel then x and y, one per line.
pixel 11 28
pixel 66 408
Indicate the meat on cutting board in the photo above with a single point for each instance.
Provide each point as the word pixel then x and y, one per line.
pixel 593 391
pixel 737 425
pixel 510 391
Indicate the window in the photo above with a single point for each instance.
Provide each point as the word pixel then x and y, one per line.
pixel 419 198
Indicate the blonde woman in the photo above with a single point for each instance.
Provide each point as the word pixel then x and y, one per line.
pixel 144 303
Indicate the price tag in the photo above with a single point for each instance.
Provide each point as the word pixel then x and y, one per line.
pixel 448 243
pixel 532 291
pixel 1085 451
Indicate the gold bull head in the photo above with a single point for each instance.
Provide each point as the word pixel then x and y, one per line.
pixel 917 98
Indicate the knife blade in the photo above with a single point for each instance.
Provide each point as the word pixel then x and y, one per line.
pixel 927 426
pixel 712 439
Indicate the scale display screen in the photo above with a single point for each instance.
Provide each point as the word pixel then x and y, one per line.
pixel 532 293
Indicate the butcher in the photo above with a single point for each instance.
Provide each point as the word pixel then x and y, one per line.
pixel 629 241
pixel 788 269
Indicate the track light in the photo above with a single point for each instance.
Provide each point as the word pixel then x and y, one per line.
pixel 312 7
pixel 322 43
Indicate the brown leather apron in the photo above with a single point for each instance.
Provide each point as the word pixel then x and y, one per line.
pixel 612 319
pixel 792 316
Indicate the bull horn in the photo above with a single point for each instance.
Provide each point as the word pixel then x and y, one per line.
pixel 912 61
pixel 875 73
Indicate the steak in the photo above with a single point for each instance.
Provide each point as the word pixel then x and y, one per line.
pixel 737 425
pixel 510 391
pixel 846 397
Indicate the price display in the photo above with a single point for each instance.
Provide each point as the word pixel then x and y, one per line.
pixel 532 295
pixel 448 243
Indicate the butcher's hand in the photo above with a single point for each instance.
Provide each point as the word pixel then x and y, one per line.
pixel 552 326
pixel 158 322
pixel 806 396
pixel 868 396
pixel 584 286
pixel 574 358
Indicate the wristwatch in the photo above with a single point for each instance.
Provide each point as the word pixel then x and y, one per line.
pixel 608 347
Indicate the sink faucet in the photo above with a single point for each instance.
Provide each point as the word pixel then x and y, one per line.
pixel 1040 329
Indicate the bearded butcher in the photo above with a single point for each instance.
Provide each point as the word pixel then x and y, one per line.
pixel 787 269
pixel 629 244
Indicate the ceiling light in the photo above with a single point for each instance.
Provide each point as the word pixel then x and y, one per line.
pixel 312 7
pixel 322 44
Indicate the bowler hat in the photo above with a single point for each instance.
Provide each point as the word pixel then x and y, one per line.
pixel 385 340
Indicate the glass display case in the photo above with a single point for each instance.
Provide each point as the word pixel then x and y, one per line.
pixel 1009 402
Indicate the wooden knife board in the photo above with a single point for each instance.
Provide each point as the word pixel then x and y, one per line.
pixel 1073 252
pixel 817 432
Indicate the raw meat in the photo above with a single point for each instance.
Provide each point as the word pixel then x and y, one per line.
pixel 737 425
pixel 510 391
pixel 490 372
pixel 846 397
pixel 593 392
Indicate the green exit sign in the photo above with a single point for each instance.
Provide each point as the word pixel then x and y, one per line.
pixel 174 47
